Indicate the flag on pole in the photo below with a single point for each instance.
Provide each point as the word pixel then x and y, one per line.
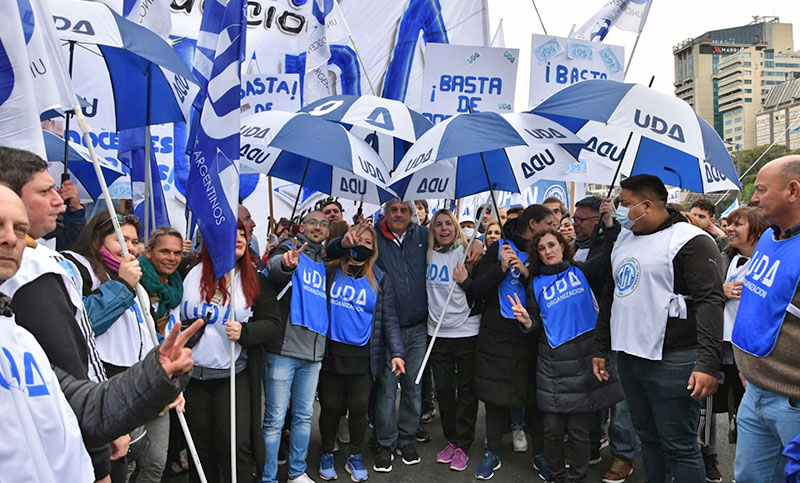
pixel 153 15
pixel 212 191
pixel 132 153
pixel 51 80
pixel 326 25
pixel 730 209
pixel 499 39
pixel 625 14
pixel 19 113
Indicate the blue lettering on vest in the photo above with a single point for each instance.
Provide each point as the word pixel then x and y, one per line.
pixel 309 307
pixel 566 304
pixel 351 311
pixel 511 284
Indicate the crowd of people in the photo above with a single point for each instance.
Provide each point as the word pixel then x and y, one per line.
pixel 629 323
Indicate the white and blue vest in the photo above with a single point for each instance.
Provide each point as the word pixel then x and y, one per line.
pixel 309 304
pixel 41 440
pixel 352 309
pixel 566 304
pixel 127 341
pixel 41 260
pixel 769 284
pixel 735 274
pixel 511 284
pixel 644 296
pixel 213 350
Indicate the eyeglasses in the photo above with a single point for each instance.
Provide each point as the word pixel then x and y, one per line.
pixel 315 222
pixel 122 219
pixel 577 220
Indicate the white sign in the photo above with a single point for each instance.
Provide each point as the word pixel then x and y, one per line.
pixel 557 62
pixel 270 92
pixel 458 78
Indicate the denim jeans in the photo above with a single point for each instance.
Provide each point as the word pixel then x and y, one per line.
pixel 766 422
pixel 285 378
pixel 664 414
pixel 621 433
pixel 393 430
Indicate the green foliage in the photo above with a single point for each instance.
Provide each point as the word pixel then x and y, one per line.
pixel 748 157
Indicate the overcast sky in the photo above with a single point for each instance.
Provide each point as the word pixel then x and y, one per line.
pixel 669 23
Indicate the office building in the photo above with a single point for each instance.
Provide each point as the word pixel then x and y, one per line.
pixel 779 119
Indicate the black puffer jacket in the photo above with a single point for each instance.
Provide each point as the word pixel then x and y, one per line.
pixel 565 382
pixel 115 407
pixel 501 367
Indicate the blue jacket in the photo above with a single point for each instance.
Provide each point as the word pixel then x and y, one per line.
pixel 405 266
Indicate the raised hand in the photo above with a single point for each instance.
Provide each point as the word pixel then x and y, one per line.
pixel 520 312
pixel 290 259
pixel 607 212
pixel 521 268
pixel 353 235
pixel 69 193
pixel 506 255
pixel 460 273
pixel 173 356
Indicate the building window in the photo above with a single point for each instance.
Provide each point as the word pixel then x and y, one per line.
pixel 769 64
pixel 737 138
pixel 748 91
pixel 747 99
pixel 738 129
pixel 748 81
pixel 691 66
pixel 747 64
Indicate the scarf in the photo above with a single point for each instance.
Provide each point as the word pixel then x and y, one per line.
pixel 446 248
pixel 170 294
pixel 583 244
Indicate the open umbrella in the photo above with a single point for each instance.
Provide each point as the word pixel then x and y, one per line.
pixel 676 144
pixel 313 153
pixel 80 166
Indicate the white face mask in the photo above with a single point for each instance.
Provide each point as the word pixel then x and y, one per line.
pixel 468 232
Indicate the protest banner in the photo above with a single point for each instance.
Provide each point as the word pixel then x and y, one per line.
pixel 270 92
pixel 460 78
pixel 557 62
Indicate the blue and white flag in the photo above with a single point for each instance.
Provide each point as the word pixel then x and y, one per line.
pixel 624 14
pixel 730 209
pixel 132 153
pixel 326 26
pixel 213 186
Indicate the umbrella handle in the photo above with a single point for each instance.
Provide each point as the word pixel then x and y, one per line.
pixel 300 189
pixel 619 165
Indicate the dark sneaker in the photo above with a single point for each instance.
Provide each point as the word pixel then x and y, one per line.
pixel 428 416
pixel 409 454
pixel 488 465
pixel 539 466
pixel 327 467
pixel 383 462
pixel 712 469
pixel 619 471
pixel 422 436
pixel 594 457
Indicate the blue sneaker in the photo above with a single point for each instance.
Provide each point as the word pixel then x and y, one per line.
pixel 327 467
pixel 489 463
pixel 356 468
pixel 540 466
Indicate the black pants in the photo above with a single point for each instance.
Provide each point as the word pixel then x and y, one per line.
pixel 337 394
pixel 454 372
pixel 496 419
pixel 208 416
pixel 576 426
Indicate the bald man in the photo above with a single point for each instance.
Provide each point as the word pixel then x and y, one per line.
pixel 766 334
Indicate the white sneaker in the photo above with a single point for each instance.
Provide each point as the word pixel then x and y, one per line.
pixel 520 441
pixel 301 479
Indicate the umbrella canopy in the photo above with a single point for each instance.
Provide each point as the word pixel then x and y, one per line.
pixel 149 82
pixel 80 166
pixel 519 149
pixel 313 153
pixel 676 144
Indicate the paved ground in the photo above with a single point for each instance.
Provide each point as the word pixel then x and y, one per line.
pixel 516 466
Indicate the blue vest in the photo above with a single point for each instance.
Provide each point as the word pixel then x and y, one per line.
pixel 768 288
pixel 352 307
pixel 566 304
pixel 511 284
pixel 309 306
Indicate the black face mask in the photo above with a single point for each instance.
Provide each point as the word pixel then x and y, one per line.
pixel 361 253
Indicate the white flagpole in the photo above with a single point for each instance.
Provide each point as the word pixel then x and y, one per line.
pixel 447 301
pixel 148 187
pixel 141 295
pixel 633 51
pixel 231 317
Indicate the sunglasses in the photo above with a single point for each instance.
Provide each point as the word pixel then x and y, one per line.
pixel 123 219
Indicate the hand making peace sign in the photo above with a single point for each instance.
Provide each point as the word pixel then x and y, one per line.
pixel 354 234
pixel 520 312
pixel 290 258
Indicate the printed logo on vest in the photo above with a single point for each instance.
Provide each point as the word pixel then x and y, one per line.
pixel 627 277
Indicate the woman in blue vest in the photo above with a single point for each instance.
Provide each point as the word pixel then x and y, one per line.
pixel 562 310
pixel 254 311
pixel 453 356
pixel 501 351
pixel 363 323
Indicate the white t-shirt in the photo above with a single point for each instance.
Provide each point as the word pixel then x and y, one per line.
pixel 438 282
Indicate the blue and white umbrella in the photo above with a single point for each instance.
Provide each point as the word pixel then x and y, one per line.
pixel 472 153
pixel 313 153
pixel 80 166
pixel 140 71
pixel 676 144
